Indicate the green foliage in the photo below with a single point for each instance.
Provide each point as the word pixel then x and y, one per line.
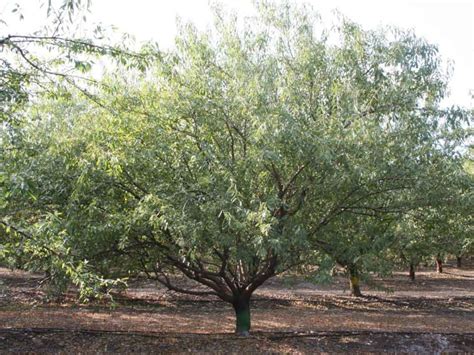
pixel 61 53
pixel 243 152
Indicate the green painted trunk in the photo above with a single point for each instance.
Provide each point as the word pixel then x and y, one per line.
pixel 242 316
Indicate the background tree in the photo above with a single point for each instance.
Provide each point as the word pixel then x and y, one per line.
pixel 378 138
pixel 441 227
pixel 61 52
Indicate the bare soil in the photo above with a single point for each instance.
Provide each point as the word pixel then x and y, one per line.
pixel 289 315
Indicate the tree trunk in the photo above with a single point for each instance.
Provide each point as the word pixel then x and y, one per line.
pixel 242 315
pixel 439 265
pixel 459 261
pixel 354 282
pixel 412 272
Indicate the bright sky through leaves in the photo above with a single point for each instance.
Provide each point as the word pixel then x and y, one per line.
pixel 447 23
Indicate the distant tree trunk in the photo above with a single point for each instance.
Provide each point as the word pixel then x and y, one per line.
pixel 412 271
pixel 459 261
pixel 354 281
pixel 242 315
pixel 439 265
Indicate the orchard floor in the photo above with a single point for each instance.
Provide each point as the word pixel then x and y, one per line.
pixel 431 315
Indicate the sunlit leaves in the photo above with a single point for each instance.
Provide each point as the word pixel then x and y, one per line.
pixel 268 139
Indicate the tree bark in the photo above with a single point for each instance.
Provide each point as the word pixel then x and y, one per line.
pixel 242 315
pixel 439 265
pixel 354 281
pixel 459 261
pixel 412 272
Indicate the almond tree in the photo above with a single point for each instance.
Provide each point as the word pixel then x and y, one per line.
pixel 384 142
pixel 238 155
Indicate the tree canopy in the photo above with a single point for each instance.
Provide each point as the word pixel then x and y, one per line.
pixel 245 151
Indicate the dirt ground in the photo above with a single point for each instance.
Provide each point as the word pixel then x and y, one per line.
pixel 433 314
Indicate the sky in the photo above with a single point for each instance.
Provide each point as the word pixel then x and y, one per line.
pixel 446 23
